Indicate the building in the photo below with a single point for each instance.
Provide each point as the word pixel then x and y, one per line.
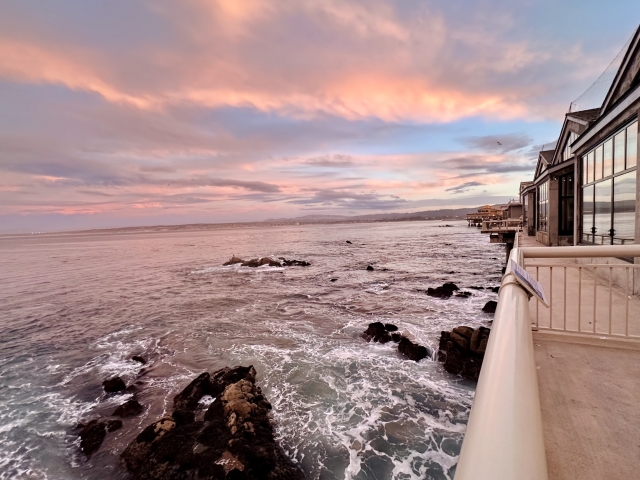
pixel 586 190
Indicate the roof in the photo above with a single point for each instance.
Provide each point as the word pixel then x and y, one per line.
pixel 547 155
pixel 584 116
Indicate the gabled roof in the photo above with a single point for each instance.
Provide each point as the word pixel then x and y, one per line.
pixel 584 117
pixel 627 75
pixel 544 159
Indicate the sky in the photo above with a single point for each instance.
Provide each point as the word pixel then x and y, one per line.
pixel 131 112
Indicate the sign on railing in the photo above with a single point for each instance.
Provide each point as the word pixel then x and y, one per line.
pixel 529 283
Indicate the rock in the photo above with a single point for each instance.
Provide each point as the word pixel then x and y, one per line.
pixel 93 434
pixel 450 286
pixel 477 288
pixel 253 263
pixel 490 307
pixel 412 350
pixel 294 263
pixel 233 261
pixel 376 332
pixel 463 331
pixel 495 289
pixel 390 327
pixel 115 384
pixel 188 398
pixel 463 294
pixel 369 268
pixel 131 408
pixel 349 242
pixel 234 441
pixel 396 337
pixel 334 279
pixel 462 350
pixel 139 359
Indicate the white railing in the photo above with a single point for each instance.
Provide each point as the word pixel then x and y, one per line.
pixel 504 438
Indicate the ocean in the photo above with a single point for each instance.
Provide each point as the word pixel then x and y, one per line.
pixel 75 307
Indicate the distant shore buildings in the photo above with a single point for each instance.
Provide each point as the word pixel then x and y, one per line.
pixel 586 189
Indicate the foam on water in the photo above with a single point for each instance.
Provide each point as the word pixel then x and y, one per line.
pixel 343 408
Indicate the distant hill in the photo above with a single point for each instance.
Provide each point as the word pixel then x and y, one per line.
pixel 442 214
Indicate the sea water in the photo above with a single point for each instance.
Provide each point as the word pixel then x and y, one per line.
pixel 75 307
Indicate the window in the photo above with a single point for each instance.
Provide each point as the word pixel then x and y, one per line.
pixel 609 195
pixel 566 204
pixel 543 207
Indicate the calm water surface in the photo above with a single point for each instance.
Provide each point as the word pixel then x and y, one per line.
pixel 74 308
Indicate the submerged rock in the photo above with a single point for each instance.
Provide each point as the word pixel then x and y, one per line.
pixel 131 408
pixel 115 384
pixel 445 291
pixel 235 439
pixel 490 307
pixel 370 268
pixel 411 350
pixel 93 434
pixel 462 350
pixel 272 262
pixel 349 242
pixel 139 359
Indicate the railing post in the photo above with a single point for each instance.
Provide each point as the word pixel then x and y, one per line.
pixel 504 435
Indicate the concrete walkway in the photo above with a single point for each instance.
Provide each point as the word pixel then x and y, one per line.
pixel 589 386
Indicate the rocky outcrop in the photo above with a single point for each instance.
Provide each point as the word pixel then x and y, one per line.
pixel 115 384
pixel 445 291
pixel 93 433
pixel 462 350
pixel 272 262
pixel 232 440
pixel 377 332
pixel 411 350
pixel 490 307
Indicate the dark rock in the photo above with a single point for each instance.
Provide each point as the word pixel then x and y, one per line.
pixel 450 286
pixel 463 331
pixel 233 261
pixel 235 441
pixel 93 434
pixel 294 263
pixel 253 263
pixel 439 292
pixel 131 408
pixel 396 337
pixel 462 351
pixel 412 350
pixel 369 268
pixel 349 241
pixel 477 288
pixel 334 279
pixel 490 307
pixel 115 384
pixel 139 359
pixel 183 417
pixel 463 294
pixel 376 332
pixel 504 269
pixel 188 398
pixel 495 289
pixel 390 327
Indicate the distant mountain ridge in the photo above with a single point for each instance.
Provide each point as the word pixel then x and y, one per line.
pixel 442 214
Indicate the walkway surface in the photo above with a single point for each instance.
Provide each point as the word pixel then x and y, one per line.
pixel 589 387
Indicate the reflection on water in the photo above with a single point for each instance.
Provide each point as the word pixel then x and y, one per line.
pixel 75 308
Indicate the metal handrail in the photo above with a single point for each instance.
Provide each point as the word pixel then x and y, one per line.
pixel 504 438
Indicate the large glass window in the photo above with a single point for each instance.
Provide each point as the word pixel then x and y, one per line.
pixel 632 145
pixel 602 218
pixel 607 158
pixel 618 152
pixel 566 204
pixel 624 208
pixel 609 196
pixel 598 154
pixel 587 214
pixel 543 206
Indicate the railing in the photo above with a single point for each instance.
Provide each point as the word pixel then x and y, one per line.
pixel 511 225
pixel 504 438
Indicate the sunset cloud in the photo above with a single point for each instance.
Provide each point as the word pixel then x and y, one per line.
pixel 219 110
